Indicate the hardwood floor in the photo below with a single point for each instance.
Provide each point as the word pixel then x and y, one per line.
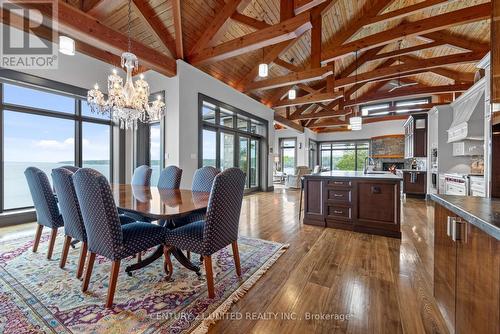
pixel 373 284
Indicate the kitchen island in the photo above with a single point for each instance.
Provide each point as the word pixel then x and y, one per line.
pixel 355 201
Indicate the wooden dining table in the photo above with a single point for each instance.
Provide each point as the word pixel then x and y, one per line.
pixel 162 206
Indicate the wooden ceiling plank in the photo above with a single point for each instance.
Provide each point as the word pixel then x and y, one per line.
pixel 176 12
pixel 414 66
pixel 81 26
pixel 102 8
pixel 406 51
pixel 305 5
pixel 406 11
pixel 290 79
pixel 424 26
pixel 250 21
pixel 149 19
pixel 275 34
pixel 458 77
pixel 215 24
pixel 286 122
pixel 407 93
pixel 311 98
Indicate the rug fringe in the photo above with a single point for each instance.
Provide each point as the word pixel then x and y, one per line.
pixel 239 293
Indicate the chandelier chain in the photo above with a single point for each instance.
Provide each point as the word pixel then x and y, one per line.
pixel 129 25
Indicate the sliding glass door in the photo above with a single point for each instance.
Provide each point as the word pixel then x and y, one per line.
pixel 288 155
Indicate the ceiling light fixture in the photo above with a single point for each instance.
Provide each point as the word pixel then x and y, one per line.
pixel 127 103
pixel 292 94
pixel 67 45
pixel 263 67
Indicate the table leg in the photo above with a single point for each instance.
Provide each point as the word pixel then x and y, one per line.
pixel 158 253
pixel 179 255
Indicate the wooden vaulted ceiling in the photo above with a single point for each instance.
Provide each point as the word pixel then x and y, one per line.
pixel 309 44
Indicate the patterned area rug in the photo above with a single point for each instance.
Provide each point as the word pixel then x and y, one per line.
pixel 37 296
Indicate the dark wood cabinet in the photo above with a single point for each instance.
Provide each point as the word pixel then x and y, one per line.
pixel 415 183
pixel 416 136
pixel 369 206
pixel 466 274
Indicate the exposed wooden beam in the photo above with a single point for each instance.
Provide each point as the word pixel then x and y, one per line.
pixel 102 8
pixel 362 59
pixel 311 98
pixel 458 77
pixel 215 24
pixel 275 34
pixel 316 33
pixel 305 5
pixel 286 10
pixel 290 79
pixel 81 26
pixel 148 17
pixel 287 65
pixel 22 23
pixel 461 42
pixel 176 13
pixel 321 114
pixel 286 122
pixel 408 92
pixel 250 21
pixel 308 89
pixel 410 67
pixel 406 51
pixel 424 26
pixel 406 11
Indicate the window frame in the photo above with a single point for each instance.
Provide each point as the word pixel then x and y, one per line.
pixel 219 129
pixel 356 143
pixel 37 83
pixel 391 104
pixel 281 149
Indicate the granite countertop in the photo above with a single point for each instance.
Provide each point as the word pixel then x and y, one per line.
pixel 481 212
pixel 357 175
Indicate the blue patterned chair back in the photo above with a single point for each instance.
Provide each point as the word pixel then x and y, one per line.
pixel 100 216
pixel 68 203
pixel 223 212
pixel 70 168
pixel 204 178
pixel 170 178
pixel 45 202
pixel 142 176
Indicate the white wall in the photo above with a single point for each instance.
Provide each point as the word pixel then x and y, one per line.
pixel 182 115
pixel 368 131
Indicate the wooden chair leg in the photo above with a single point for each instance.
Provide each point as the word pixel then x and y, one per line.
pixel 81 260
pixel 188 253
pixel 139 257
pixel 113 278
pixel 236 256
pixel 167 265
pixel 88 271
pixel 52 241
pixel 210 275
pixel 38 235
pixel 64 255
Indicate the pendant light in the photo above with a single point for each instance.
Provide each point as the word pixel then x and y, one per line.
pixel 292 94
pixel 263 67
pixel 356 122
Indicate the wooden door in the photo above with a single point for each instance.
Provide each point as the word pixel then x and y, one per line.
pixel 445 262
pixel 478 282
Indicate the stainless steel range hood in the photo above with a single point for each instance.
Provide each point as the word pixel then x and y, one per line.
pixel 468 115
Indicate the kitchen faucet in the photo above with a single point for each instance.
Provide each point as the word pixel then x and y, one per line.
pixel 368 162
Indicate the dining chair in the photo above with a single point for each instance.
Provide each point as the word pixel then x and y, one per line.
pixel 70 168
pixel 170 178
pixel 105 235
pixel 74 229
pixel 219 229
pixel 47 211
pixel 142 176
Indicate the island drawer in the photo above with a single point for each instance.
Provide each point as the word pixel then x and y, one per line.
pixel 336 212
pixel 339 195
pixel 339 184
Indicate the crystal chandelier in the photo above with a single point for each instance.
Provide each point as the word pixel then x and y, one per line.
pixel 129 103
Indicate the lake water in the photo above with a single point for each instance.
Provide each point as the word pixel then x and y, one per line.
pixel 16 189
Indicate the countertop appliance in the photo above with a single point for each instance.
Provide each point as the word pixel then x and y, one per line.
pixel 456 184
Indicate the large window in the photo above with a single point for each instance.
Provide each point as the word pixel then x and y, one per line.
pixel 346 156
pixel 155 151
pixel 230 137
pixel 46 128
pixel 288 155
pixel 395 107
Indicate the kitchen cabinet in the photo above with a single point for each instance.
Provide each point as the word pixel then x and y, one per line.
pixel 466 274
pixel 415 183
pixel 416 136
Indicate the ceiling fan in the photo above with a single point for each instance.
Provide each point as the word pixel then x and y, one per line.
pixel 398 85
